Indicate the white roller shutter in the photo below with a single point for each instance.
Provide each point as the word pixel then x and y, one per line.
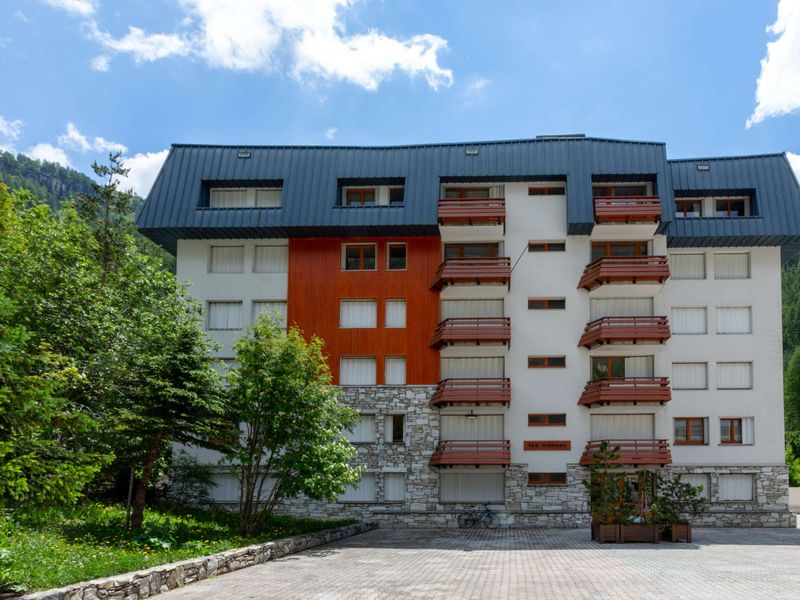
pixel 224 315
pixel 363 431
pixel 364 490
pixel 734 376
pixel 268 198
pixel 394 485
pixel 488 366
pixel 395 370
pixel 271 259
pixel 621 307
pixel 357 371
pixel 229 198
pixel 736 487
pixel 355 314
pixel 732 266
pixel 688 320
pixel 697 480
pixel 482 427
pixel 689 376
pixel 276 308
pixel 471 487
pixel 395 314
pixel 639 366
pixel 625 427
pixel 471 308
pixel 734 319
pixel 687 266
pixel 227 259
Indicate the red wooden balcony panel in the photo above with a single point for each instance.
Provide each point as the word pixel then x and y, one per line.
pixel 472 211
pixel 475 453
pixel 627 209
pixel 614 390
pixel 625 330
pixel 631 452
pixel 479 330
pixel 624 269
pixel 472 391
pixel 473 270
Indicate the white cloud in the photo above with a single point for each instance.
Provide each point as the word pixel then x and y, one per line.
pixel 144 169
pixel 794 160
pixel 21 16
pixel 778 86
pixel 49 153
pixel 83 8
pixel 479 84
pixel 10 129
pixel 73 139
pixel 142 46
pixel 100 144
pixel 100 63
pixel 330 133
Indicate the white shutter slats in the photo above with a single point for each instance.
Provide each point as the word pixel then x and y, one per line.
pixel 229 198
pixel 623 427
pixel 364 491
pixel 227 259
pixel 276 307
pixel 621 307
pixel 363 431
pixel 268 198
pixel 471 487
pixel 688 320
pixel 639 366
pixel 732 265
pixel 687 266
pixel 734 376
pixel 395 314
pixel 467 368
pixel 697 480
pixel 689 376
pixel 395 370
pixel 394 485
pixel 224 315
pixel 358 314
pixel 357 371
pixel 734 319
pixel 482 427
pixel 271 259
pixel 452 309
pixel 748 430
pixel 736 487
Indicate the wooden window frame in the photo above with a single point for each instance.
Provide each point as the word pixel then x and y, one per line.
pixel 548 362
pixel 547 478
pixel 731 423
pixel 680 210
pixel 547 246
pixel 362 257
pixel 640 248
pixel 688 441
pixel 402 420
pixel 362 193
pixel 609 190
pixel 396 188
pixel 389 246
pixel 547 303
pixel 547 190
pixel 607 360
pixel 547 420
pixel 462 192
pixel 494 248
pixel 728 202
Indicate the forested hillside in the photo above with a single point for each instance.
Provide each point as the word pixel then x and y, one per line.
pixel 49 181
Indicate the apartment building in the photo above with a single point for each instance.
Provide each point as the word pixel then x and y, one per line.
pixel 496 310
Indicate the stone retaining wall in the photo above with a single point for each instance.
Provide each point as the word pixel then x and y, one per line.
pixel 155 580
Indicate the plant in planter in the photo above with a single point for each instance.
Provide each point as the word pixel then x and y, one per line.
pixel 676 502
pixel 640 526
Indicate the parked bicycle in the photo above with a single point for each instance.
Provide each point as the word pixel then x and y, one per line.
pixel 485 517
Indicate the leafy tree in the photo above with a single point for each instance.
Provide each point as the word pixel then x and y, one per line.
pixel 291 439
pixel 790 283
pixel 791 393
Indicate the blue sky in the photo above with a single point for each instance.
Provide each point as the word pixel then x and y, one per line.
pixel 84 76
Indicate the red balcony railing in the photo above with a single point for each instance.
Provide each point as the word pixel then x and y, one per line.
pixel 472 211
pixel 473 391
pixel 616 390
pixel 625 330
pixel 624 269
pixel 476 271
pixel 631 452
pixel 627 209
pixel 480 330
pixel 475 453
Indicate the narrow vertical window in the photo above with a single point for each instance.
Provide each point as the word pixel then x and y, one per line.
pixel 396 257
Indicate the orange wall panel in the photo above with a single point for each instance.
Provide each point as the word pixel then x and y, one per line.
pixel 317 283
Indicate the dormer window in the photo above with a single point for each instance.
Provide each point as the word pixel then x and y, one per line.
pixel 691 208
pixel 244 197
pixel 731 207
pixel 359 197
pixel 381 193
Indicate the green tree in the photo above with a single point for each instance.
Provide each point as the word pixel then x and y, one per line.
pixel 790 283
pixel 791 392
pixel 291 439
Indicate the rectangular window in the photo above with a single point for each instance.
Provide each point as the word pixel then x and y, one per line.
pixel 547 479
pixel 601 249
pixel 546 362
pixel 731 207
pixel 244 198
pixel 733 265
pixel 471 487
pixel 360 197
pixel 605 367
pixel 358 314
pixel 736 430
pixel 690 376
pixel 271 259
pixel 395 314
pixel 546 303
pixel 687 266
pixel 734 376
pixel 691 430
pixel 357 371
pixel 467 193
pixel 224 315
pixel 734 487
pixel 396 196
pixel 688 320
pixel 467 368
pixel 226 259
pixel 394 487
pixel 394 432
pixel 489 250
pixel 276 308
pixel 268 198
pixel 619 190
pixel 549 190
pixel 363 491
pixel 547 246
pixel 394 370
pixel 734 319
pixel 396 257
pixel 700 480
pixel 620 307
pixel 362 432
pixel 547 420
pixel 471 309
pixel 358 257
pixel 689 209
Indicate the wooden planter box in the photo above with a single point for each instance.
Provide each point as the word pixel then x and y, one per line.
pixel 604 533
pixel 680 532
pixel 638 534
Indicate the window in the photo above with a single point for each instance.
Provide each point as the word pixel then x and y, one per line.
pixel 467 193
pixel 700 480
pixel 546 303
pixel 601 249
pixel 620 307
pixel 276 308
pixel 396 196
pixel 547 479
pixel 689 209
pixel 471 487
pixel 395 257
pixel 732 265
pixel 363 491
pixel 357 371
pixel 544 362
pixel 395 314
pixel 734 376
pixel 225 315
pixel 244 198
pixel 471 309
pixel 394 487
pixel 547 246
pixel 468 368
pixel 734 319
pixel 689 376
pixel 687 266
pixel 736 430
pixel 550 190
pixel 736 487
pixel 691 431
pixel 688 320
pixel 394 370
pixel 362 432
pixel 358 257
pixel 360 197
pixel 604 367
pixel 268 198
pixel 358 314
pixel 623 190
pixel 547 420
pixel 731 207
pixel 271 259
pixel 394 431
pixel 471 250
pixel 226 259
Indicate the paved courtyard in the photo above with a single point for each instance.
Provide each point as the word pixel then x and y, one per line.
pixel 519 563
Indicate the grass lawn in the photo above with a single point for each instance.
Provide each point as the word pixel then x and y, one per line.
pixel 54 548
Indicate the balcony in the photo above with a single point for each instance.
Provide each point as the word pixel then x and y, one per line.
pixel 627 209
pixel 624 269
pixel 472 391
pixel 479 330
pixel 624 390
pixel 472 453
pixel 631 452
pixel 477 271
pixel 472 211
pixel 625 330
